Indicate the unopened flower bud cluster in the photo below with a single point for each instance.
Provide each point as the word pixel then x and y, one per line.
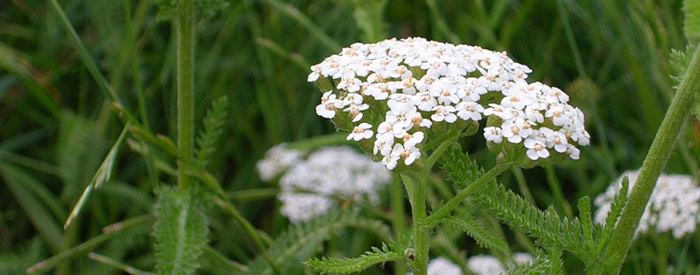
pixel 674 205
pixel 414 83
pixel 313 185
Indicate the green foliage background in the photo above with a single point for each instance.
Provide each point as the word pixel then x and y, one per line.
pixel 611 57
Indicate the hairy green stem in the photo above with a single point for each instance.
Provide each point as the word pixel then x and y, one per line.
pixel 184 26
pixel 471 188
pixel 420 231
pixel 659 153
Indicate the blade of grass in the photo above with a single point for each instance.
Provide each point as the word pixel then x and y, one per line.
pixel 304 21
pixel 16 180
pixel 103 174
pixel 89 62
pixel 118 265
pixel 107 233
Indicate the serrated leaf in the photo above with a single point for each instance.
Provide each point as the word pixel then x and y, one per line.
pixel 353 265
pixel 691 26
pixel 298 242
pixel 475 230
pixel 541 265
pixel 460 169
pixel 618 204
pixel 180 231
pixel 551 230
pixel 212 130
pixel 584 209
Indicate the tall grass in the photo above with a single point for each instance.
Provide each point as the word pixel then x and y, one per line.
pixel 58 120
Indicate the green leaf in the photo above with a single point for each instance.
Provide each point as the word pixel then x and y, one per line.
pixel 299 241
pixel 691 26
pixel 618 204
pixel 475 230
pixel 541 265
pixel 584 209
pixel 548 227
pixel 180 231
pixel 460 169
pixel 353 265
pixel 212 130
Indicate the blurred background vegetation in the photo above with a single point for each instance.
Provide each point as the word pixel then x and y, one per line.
pixel 56 125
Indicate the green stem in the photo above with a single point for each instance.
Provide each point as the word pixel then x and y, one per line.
pixel 185 87
pixel 399 216
pixel 471 188
pixel 659 153
pixel 420 231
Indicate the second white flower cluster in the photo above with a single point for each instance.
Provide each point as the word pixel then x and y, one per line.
pixel 311 186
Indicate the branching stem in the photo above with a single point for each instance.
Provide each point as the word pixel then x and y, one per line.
pixel 471 188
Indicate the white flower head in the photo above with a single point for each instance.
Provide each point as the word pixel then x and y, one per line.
pixel 674 205
pixel 310 187
pixel 398 87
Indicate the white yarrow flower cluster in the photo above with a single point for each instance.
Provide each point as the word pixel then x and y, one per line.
pixel 490 265
pixel 442 266
pixel 312 186
pixel 277 160
pixel 414 83
pixel 674 205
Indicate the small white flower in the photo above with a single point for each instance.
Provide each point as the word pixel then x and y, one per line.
pixel 469 111
pixel 536 149
pixel 383 146
pixel 424 101
pixel 556 112
pixel 493 134
pixel 444 113
pixel 409 153
pixel 411 140
pixel 556 140
pixel 361 132
pixel 390 161
pixel 328 105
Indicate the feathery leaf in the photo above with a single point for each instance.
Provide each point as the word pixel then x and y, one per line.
pixel 352 265
pixel 212 130
pixel 475 230
pixel 298 242
pixel 548 227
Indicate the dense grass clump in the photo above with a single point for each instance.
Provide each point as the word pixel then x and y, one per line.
pixel 101 172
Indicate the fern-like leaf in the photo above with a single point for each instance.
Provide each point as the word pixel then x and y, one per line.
pixel 618 204
pixel 584 209
pixel 475 230
pixel 353 265
pixel 541 265
pixel 180 231
pixel 461 170
pixel 548 227
pixel 299 241
pixel 212 130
